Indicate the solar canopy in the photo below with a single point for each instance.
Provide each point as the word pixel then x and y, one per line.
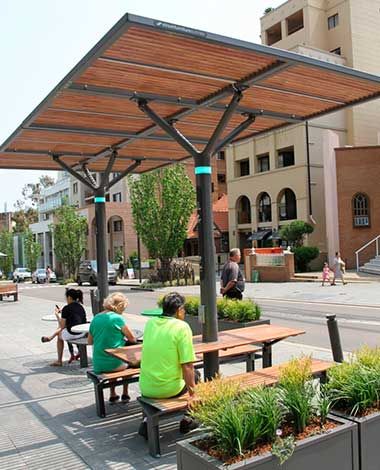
pixel 187 76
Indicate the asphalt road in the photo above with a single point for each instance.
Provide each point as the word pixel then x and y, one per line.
pixel 358 324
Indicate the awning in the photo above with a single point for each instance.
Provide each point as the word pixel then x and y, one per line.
pixel 259 235
pixel 275 235
pixel 187 76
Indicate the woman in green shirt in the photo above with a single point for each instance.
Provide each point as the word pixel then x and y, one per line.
pixel 108 331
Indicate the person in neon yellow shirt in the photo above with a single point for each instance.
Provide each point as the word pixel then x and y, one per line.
pixel 167 359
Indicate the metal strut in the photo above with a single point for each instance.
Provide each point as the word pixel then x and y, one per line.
pixel 203 170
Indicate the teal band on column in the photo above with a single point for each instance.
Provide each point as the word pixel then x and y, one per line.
pixel 203 170
pixel 99 199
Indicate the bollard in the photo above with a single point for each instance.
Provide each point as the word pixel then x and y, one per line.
pixel 336 346
pixel 94 301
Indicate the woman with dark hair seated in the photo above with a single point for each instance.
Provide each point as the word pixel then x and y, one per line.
pixel 72 314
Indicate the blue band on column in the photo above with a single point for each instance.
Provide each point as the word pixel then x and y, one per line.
pixel 99 199
pixel 203 170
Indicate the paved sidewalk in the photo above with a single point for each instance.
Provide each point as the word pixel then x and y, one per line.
pixel 47 415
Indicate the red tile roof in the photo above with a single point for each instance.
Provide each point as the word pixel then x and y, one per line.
pixel 220 212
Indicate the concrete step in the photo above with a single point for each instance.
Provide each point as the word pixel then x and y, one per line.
pixel 370 269
pixel 374 262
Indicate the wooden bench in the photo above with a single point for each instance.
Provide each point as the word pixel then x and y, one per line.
pixel 245 353
pixel 102 381
pixel 8 290
pixel 155 409
pixel 82 344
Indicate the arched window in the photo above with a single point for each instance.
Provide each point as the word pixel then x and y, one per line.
pixel 360 210
pixel 287 205
pixel 243 207
pixel 265 208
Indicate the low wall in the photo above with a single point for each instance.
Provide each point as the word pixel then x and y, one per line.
pixel 282 273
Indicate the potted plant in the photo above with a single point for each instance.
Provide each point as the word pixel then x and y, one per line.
pixel 262 428
pixel 231 314
pixel 354 388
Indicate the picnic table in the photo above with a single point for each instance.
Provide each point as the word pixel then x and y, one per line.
pixel 85 328
pixel 263 335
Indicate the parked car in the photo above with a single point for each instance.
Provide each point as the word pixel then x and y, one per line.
pixel 39 276
pixel 88 273
pixel 21 274
pixel 1 274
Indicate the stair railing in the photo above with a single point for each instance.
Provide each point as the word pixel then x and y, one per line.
pixel 375 240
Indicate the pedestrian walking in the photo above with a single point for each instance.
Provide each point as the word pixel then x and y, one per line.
pixel 326 273
pixel 121 270
pixel 231 280
pixel 339 269
pixel 48 274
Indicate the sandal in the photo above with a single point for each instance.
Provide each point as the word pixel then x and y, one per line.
pixel 125 398
pixel 45 339
pixel 114 399
pixel 72 359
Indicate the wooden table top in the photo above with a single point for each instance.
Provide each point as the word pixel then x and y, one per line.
pixel 226 339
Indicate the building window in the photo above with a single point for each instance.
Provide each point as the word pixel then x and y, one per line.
pixel 221 178
pixel 263 163
pixel 117 226
pixel 221 155
pixel 243 210
pixel 265 208
pixel 337 51
pixel 287 206
pixel 244 167
pixel 75 188
pixel 285 157
pixel 116 197
pixel 294 22
pixel 360 210
pixel 333 21
pixel 273 34
pixel 212 187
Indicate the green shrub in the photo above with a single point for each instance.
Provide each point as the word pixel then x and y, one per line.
pixel 238 419
pixel 235 310
pixel 354 386
pixel 298 391
pixel 304 255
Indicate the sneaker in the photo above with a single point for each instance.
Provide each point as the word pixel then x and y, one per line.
pixel 143 430
pixel 187 424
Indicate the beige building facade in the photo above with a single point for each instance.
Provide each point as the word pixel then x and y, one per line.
pixel 278 177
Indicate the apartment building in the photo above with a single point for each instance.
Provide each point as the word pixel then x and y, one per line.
pixel 277 177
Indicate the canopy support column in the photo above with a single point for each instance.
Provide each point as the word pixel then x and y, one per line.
pixel 99 192
pixel 202 160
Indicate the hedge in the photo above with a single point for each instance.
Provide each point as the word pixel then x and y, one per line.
pixel 235 310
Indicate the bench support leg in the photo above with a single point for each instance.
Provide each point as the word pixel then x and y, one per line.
pixel 267 355
pixel 99 400
pixel 83 355
pixel 250 362
pixel 153 431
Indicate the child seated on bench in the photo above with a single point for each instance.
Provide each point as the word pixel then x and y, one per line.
pixel 107 331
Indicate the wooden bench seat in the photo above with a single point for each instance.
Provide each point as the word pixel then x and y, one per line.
pixel 154 409
pixel 9 290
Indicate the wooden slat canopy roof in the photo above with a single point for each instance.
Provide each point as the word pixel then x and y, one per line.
pixel 187 76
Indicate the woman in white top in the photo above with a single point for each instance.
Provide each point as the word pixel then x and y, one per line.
pixel 338 269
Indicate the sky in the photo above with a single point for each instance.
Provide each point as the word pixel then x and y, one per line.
pixel 41 40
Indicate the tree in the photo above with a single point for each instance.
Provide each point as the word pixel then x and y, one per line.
pixel 23 216
pixel 6 247
pixel 32 191
pixel 304 255
pixel 162 203
pixel 32 250
pixel 70 238
pixel 295 232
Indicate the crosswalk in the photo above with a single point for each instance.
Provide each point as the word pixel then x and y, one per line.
pixel 37 286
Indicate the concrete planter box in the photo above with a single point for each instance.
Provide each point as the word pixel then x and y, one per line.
pixel 368 435
pixel 223 325
pixel 337 449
